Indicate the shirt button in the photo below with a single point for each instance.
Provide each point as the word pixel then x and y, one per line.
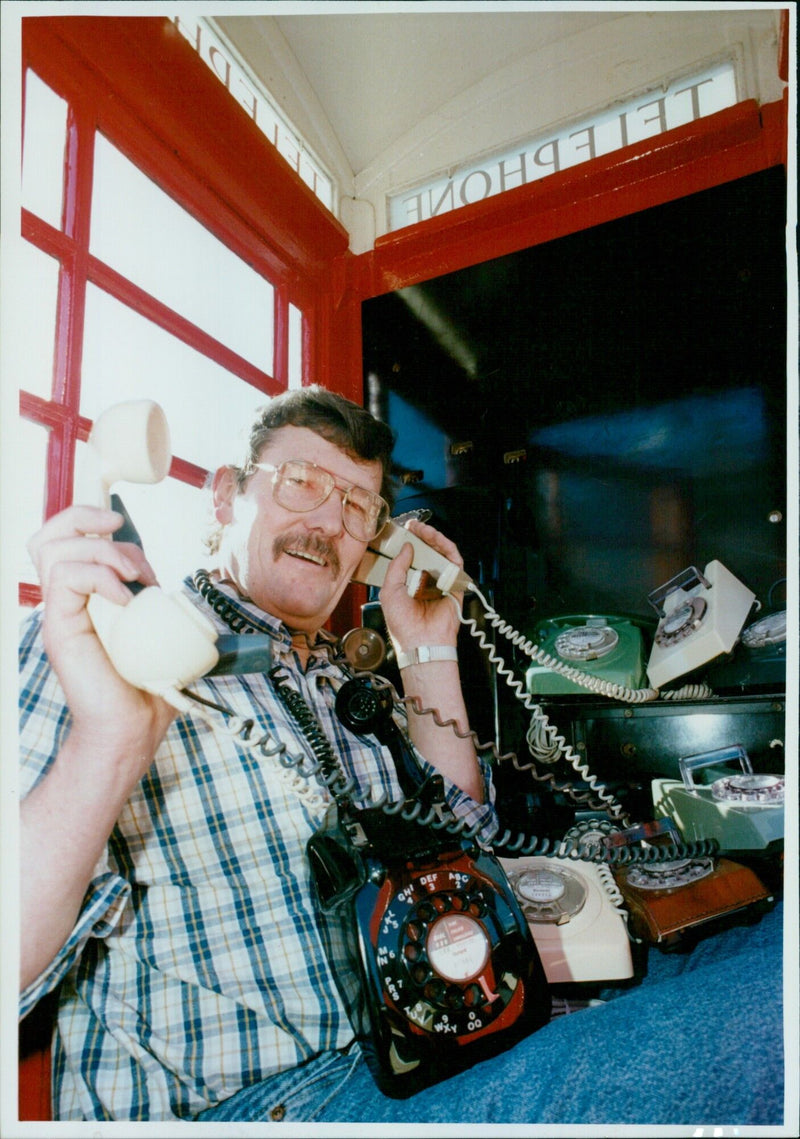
pixel 277 1113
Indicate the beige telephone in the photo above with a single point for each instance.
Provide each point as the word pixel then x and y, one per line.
pixel 700 617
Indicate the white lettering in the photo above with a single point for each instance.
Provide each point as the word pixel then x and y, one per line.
pixel 661 117
pixel 259 106
pixel 520 170
pixel 695 89
pixel 487 187
pixel 673 105
pixel 414 208
pixel 215 54
pixel 590 143
pixel 187 35
pixel 552 160
pixel 447 193
pixel 623 128
pixel 250 103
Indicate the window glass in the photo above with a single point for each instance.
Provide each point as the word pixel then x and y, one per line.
pixel 141 232
pixel 43 150
pixel 126 356
pixel 29 357
pixel 171 518
pixel 295 347
pixel 28 497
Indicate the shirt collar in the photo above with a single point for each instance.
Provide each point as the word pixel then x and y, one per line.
pixel 259 620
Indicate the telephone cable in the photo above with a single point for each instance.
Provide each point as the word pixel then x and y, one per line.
pixel 326 769
pixel 609 801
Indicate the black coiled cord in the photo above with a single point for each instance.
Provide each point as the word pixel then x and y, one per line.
pixel 328 770
pixel 327 761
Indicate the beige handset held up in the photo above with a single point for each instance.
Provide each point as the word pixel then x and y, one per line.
pixel 446 575
pixel 158 641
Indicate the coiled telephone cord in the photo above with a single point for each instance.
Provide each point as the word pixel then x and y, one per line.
pixel 556 743
pixel 325 768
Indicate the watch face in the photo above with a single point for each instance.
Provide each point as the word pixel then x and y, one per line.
pixel 457 947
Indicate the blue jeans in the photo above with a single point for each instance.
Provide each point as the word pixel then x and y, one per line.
pixel 698 1042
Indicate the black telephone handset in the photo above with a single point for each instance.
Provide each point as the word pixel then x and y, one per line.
pixel 442 970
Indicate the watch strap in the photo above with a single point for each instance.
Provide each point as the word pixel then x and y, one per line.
pixel 423 654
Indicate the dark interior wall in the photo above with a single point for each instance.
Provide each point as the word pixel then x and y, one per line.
pixel 589 417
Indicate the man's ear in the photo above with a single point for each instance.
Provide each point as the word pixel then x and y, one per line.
pixel 224 490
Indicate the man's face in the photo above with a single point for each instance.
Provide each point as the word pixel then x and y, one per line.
pixel 294 566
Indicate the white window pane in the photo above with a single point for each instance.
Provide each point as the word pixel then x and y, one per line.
pixel 43 150
pixel 295 347
pixel 29 359
pixel 171 518
pixel 28 493
pixel 141 232
pixel 126 356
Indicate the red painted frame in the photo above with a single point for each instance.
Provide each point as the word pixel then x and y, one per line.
pixel 128 79
pixel 135 74
pixel 730 144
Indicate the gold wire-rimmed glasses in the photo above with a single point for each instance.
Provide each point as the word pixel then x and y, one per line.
pixel 301 486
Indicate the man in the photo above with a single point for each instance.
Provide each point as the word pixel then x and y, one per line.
pixel 165 886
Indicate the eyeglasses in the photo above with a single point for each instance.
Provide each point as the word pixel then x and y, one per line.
pixel 302 486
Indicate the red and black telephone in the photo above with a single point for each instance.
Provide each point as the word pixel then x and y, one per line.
pixel 447 970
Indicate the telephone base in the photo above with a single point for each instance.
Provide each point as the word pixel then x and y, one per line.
pixel 699 624
pixel 610 648
pixel 662 916
pixel 698 816
pixel 579 931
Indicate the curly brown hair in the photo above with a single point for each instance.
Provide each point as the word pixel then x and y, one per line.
pixel 339 420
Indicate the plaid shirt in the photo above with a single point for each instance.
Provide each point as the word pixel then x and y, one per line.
pixel 195 966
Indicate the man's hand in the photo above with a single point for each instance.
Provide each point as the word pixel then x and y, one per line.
pixel 115 730
pixel 413 622
pixel 422 620
pixel 75 558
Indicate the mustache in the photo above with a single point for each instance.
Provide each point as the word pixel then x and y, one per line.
pixel 304 543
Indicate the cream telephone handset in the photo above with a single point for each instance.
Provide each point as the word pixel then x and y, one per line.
pixel 446 575
pixel 159 641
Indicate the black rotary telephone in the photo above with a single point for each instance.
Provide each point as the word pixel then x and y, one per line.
pixel 442 970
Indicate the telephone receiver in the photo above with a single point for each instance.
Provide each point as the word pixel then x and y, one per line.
pixel 428 567
pixel 159 641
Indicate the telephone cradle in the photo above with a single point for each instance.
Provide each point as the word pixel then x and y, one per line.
pixel 665 901
pixel 743 811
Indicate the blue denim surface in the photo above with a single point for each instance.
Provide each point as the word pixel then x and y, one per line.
pixel 699 1042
